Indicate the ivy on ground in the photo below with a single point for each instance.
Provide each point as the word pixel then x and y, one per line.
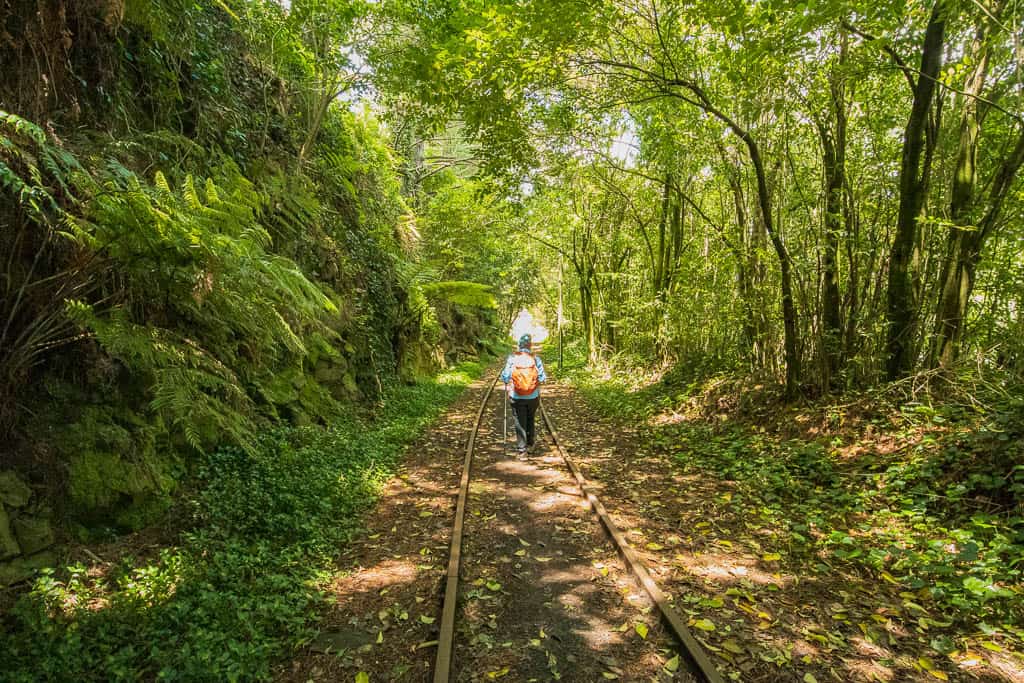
pixel 924 497
pixel 240 590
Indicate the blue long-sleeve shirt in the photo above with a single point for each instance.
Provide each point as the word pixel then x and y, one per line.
pixel 506 377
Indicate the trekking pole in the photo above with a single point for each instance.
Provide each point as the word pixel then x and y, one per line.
pixel 504 422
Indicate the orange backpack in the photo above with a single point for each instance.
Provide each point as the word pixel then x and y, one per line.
pixel 525 379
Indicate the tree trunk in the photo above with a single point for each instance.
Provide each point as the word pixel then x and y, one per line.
pixel 587 315
pixel 675 244
pixel 659 265
pixel 833 144
pixel 964 252
pixel 789 314
pixel 900 303
pixel 957 276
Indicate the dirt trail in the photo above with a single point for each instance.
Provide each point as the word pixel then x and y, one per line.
pixel 543 595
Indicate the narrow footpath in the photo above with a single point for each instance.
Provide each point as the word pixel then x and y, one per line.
pixel 543 595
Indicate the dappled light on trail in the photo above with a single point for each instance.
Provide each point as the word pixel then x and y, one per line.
pixel 723 557
pixel 545 594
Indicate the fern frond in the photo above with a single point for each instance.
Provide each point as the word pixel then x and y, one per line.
pixel 161 183
pixel 189 192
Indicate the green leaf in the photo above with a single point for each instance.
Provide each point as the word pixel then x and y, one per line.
pixel 975 585
pixel 704 624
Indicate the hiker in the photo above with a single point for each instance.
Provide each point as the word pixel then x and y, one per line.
pixel 522 376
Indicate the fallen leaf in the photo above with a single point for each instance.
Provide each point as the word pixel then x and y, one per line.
pixel 733 647
pixel 426 620
pixel 362 677
pixel 498 674
pixel 672 665
pixel 704 624
pixel 809 678
pixel 771 557
pixel 641 629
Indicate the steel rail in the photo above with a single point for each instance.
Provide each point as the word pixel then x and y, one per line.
pixel 694 652
pixel 443 662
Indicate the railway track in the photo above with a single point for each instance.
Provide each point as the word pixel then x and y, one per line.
pixel 700 664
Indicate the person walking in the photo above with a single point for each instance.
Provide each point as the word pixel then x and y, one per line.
pixel 523 375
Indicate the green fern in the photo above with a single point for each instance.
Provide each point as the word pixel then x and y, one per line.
pixel 198 256
pixel 33 169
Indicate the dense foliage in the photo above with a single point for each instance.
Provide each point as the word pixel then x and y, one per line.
pixel 825 192
pixel 242 589
pixel 204 240
pixel 231 230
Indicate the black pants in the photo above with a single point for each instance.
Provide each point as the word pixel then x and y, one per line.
pixel 525 409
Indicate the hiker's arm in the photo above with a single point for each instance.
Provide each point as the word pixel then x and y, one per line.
pixel 541 375
pixel 506 374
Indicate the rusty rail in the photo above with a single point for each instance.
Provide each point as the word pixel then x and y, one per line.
pixel 698 658
pixel 443 662
pixel 693 650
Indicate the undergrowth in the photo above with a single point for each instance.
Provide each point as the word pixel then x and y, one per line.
pixel 240 590
pixel 927 497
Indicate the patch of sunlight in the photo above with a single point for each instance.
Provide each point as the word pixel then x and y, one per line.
pixel 868 670
pixel 865 647
pixel 1006 665
pixel 666 419
pixel 727 568
pixel 386 573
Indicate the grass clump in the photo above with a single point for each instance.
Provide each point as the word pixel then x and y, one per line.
pixel 240 590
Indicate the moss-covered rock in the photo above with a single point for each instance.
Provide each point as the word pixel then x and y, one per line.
pixel 349 382
pixel 98 480
pixel 33 534
pixel 330 372
pixel 116 471
pixel 13 491
pixel 23 568
pixel 143 511
pixel 8 544
pixel 283 387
